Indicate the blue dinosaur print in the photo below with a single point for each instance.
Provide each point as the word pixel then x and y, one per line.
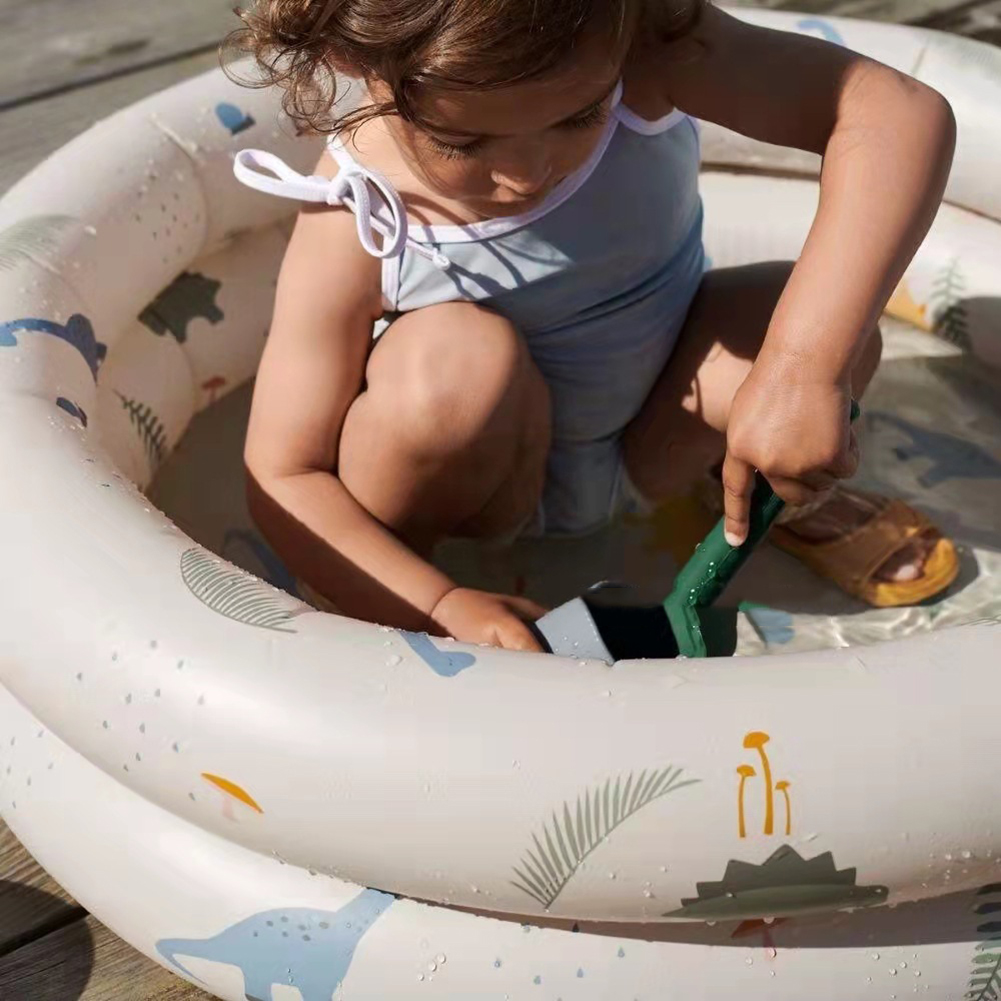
pixel 76 331
pixel 445 665
pixel 311 950
pixel 190 297
pixel 72 409
pixel 825 29
pixel 773 625
pixel 275 572
pixel 233 118
pixel 952 458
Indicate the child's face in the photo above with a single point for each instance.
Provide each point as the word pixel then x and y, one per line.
pixel 500 152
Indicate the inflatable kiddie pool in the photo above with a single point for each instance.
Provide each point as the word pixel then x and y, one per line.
pixel 218 771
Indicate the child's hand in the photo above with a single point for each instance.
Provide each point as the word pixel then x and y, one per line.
pixel 796 431
pixel 480 617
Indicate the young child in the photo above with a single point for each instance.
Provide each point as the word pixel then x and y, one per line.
pixel 512 208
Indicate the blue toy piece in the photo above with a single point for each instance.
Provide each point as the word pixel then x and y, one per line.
pixel 308 949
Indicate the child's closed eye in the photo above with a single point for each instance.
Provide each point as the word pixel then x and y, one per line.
pixel 590 119
pixel 598 115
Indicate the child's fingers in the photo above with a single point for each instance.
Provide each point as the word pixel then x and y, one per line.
pixel 526 608
pixel 738 484
pixel 513 634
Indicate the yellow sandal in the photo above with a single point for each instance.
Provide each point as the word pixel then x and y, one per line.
pixel 853 560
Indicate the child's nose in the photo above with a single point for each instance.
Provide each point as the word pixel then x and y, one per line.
pixel 527 177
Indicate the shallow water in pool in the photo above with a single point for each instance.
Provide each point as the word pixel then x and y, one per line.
pixel 931 435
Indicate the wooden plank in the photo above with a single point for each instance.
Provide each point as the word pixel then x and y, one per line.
pixel 85 962
pixel 47 46
pixel 31 132
pixel 904 11
pixel 981 20
pixel 31 902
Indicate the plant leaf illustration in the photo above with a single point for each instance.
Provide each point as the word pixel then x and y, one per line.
pixel 573 833
pixel 236 594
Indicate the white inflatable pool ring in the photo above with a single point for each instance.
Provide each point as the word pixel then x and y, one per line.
pixel 243 764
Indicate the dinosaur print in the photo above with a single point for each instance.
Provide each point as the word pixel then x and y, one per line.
pixel 311 950
pixel 951 457
pixel 72 409
pixel 233 118
pixel 817 25
pixel 445 665
pixel 190 297
pixel 76 331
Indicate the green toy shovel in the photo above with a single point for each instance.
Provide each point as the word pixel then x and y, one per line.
pixel 708 573
pixel 605 624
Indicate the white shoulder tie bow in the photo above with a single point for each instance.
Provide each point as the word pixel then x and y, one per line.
pixel 350 187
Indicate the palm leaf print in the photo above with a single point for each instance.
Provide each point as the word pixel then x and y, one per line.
pixel 149 428
pixel 985 978
pixel 29 239
pixel 236 594
pixel 948 296
pixel 574 832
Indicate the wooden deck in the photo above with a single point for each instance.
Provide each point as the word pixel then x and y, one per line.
pixel 62 67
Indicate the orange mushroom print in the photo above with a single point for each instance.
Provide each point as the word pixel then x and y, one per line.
pixel 212 387
pixel 745 772
pixel 755 741
pixel 233 796
pixel 783 787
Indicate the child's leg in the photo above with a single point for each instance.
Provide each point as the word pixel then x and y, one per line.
pixel 681 431
pixel 451 434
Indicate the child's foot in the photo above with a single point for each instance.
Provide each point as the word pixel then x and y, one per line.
pixel 876 549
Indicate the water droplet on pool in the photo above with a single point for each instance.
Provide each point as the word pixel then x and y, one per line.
pixel 441 959
pixel 420 977
pixel 749 961
pixel 893 972
pixel 432 966
pixel 394 660
pixel 966 854
pixel 875 955
pixel 90 230
pixel 771 952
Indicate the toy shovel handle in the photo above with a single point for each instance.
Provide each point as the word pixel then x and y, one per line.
pixel 715 562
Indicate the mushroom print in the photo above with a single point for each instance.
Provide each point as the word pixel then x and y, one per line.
pixel 755 741
pixel 234 798
pixel 783 787
pixel 745 772
pixel 212 387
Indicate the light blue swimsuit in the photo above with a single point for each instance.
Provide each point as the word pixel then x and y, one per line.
pixel 598 279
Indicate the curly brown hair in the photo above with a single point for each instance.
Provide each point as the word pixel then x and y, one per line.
pixel 301 45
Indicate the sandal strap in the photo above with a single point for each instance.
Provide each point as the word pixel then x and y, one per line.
pixel 853 559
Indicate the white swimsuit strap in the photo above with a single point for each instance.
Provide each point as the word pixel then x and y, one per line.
pixel 351 188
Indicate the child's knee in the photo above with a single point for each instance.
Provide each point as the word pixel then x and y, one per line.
pixel 447 372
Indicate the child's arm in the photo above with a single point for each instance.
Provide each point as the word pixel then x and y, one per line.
pixel 312 371
pixel 328 298
pixel 887 142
